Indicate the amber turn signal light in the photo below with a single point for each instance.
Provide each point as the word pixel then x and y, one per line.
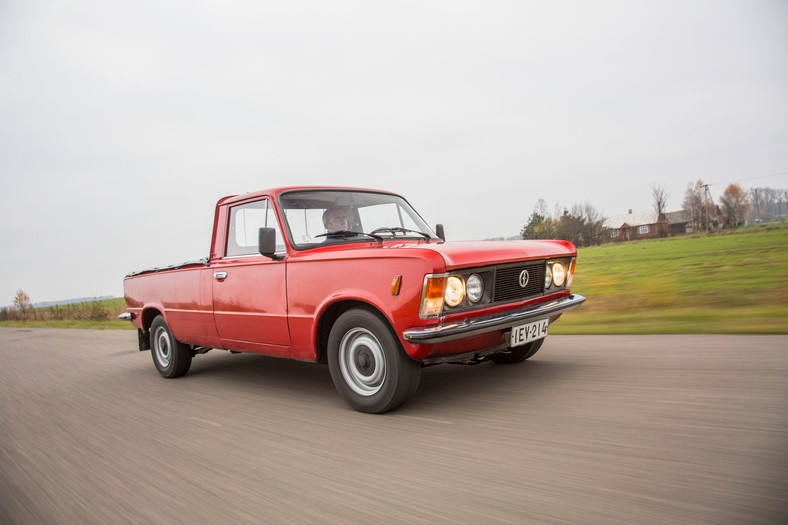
pixel 396 283
pixel 432 295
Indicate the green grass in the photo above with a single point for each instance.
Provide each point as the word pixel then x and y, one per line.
pixel 733 282
pixel 70 323
pixel 724 283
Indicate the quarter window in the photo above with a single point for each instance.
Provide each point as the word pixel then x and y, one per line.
pixel 245 223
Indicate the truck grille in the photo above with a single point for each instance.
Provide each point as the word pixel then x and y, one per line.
pixel 507 282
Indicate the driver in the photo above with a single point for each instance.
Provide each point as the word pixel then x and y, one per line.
pixel 335 220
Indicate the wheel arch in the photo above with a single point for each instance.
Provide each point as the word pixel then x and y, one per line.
pixel 148 315
pixel 329 316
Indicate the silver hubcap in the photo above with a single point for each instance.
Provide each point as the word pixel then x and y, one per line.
pixel 362 362
pixel 161 347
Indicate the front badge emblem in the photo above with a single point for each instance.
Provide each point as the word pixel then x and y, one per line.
pixel 524 278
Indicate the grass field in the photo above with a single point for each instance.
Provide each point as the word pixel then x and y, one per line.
pixel 102 315
pixel 734 282
pixel 730 282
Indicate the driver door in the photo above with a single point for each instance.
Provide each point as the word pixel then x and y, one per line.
pixel 249 289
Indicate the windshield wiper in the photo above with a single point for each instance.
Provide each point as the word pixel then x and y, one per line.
pixel 344 234
pixel 396 230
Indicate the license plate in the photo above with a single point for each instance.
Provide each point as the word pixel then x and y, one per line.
pixel 525 333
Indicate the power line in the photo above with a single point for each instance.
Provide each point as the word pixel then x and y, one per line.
pixel 767 176
pixel 752 178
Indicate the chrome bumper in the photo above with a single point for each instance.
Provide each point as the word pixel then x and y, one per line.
pixel 468 328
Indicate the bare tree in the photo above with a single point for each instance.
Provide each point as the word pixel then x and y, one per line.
pixel 660 196
pixel 541 207
pixel 766 203
pixel 695 203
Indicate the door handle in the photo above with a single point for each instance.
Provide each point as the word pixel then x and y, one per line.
pixel 220 276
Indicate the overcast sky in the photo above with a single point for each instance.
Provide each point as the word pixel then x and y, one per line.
pixel 122 123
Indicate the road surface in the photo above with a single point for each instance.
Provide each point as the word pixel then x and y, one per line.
pixel 592 430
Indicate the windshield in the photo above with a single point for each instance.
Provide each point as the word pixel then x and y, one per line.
pixel 316 217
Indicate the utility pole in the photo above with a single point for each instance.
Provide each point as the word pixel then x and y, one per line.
pixel 707 203
pixel 757 208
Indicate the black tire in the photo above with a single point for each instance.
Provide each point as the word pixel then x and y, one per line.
pixel 170 357
pixel 518 354
pixel 368 365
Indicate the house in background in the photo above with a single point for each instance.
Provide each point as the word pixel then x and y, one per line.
pixel 679 222
pixel 634 226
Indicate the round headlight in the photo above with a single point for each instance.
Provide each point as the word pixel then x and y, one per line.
pixel 548 277
pixel 474 286
pixel 559 274
pixel 455 291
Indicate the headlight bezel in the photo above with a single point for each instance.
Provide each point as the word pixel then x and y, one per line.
pixel 559 273
pixel 434 306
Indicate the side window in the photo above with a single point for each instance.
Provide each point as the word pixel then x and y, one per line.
pixel 245 223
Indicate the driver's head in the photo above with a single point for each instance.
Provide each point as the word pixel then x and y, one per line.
pixel 335 219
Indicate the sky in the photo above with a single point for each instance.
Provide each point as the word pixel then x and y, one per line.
pixel 122 123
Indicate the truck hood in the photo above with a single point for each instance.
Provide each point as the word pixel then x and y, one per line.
pixel 467 254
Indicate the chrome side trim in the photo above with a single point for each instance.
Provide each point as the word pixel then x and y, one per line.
pixel 126 316
pixel 468 328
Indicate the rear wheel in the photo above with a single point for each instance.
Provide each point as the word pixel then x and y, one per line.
pixel 518 354
pixel 368 365
pixel 171 357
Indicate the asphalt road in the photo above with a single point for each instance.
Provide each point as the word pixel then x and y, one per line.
pixel 592 430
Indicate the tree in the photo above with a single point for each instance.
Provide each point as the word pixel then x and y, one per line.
pixel 538 227
pixel 541 207
pixel 570 227
pixel 734 203
pixel 766 203
pixel 582 225
pixel 22 301
pixel 660 197
pixel 696 204
pixel 592 222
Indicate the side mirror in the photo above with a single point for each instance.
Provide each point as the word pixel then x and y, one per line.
pixel 439 231
pixel 266 243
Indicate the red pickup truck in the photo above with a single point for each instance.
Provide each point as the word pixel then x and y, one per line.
pixel 356 279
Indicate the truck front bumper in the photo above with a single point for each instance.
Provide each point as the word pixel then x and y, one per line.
pixel 471 327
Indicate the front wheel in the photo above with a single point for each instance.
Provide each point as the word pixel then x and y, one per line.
pixel 368 365
pixel 171 357
pixel 518 354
